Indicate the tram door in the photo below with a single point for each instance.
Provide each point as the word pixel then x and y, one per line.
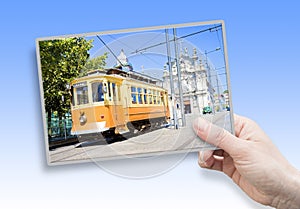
pixel 116 108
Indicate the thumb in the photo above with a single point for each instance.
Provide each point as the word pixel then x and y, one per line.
pixel 216 136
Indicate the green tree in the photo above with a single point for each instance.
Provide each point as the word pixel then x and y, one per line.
pixel 61 61
pixel 96 63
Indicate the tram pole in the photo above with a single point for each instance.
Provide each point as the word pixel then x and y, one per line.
pixel 179 79
pixel 171 81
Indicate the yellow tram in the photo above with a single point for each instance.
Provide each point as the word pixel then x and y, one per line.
pixel 116 102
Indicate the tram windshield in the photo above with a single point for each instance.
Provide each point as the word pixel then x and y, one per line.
pixel 82 95
pixel 97 91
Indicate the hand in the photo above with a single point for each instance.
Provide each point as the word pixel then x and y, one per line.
pixel 252 161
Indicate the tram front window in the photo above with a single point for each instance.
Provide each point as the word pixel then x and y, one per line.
pixel 82 95
pixel 97 91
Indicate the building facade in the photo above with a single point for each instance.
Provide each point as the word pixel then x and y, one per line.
pixel 197 92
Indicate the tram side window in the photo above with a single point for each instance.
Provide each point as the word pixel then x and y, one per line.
pixel 158 97
pixel 140 95
pixel 97 91
pixel 109 91
pixel 150 96
pixel 145 96
pixel 114 91
pixel 162 97
pixel 154 97
pixel 82 95
pixel 133 95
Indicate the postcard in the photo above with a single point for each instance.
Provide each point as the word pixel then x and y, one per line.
pixel 132 92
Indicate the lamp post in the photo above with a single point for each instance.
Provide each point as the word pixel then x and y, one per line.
pixel 63 119
pixel 209 74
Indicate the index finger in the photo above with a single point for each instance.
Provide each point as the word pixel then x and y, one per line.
pixel 216 135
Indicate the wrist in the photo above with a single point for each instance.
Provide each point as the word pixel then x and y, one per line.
pixel 289 196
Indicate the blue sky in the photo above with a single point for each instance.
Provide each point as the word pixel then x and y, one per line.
pixel 146 50
pixel 263 51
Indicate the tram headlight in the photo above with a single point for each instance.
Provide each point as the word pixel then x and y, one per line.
pixel 82 119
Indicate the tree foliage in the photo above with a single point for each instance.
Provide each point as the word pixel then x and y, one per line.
pixel 96 63
pixel 61 61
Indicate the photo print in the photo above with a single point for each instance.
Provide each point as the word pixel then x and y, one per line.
pixel 133 92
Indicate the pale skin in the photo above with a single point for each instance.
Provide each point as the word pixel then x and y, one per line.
pixel 252 161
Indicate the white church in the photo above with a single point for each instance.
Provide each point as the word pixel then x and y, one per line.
pixel 196 90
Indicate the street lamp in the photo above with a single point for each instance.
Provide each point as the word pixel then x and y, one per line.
pixel 216 49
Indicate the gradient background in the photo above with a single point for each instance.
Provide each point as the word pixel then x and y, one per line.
pixel 263 47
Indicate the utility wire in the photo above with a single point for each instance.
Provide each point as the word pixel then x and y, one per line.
pixel 181 37
pixel 118 40
pixel 143 54
pixel 157 35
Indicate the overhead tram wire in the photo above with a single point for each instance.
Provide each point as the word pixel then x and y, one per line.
pixel 126 46
pixel 211 29
pixel 118 40
pixel 181 37
pixel 157 35
pixel 148 41
pixel 110 51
